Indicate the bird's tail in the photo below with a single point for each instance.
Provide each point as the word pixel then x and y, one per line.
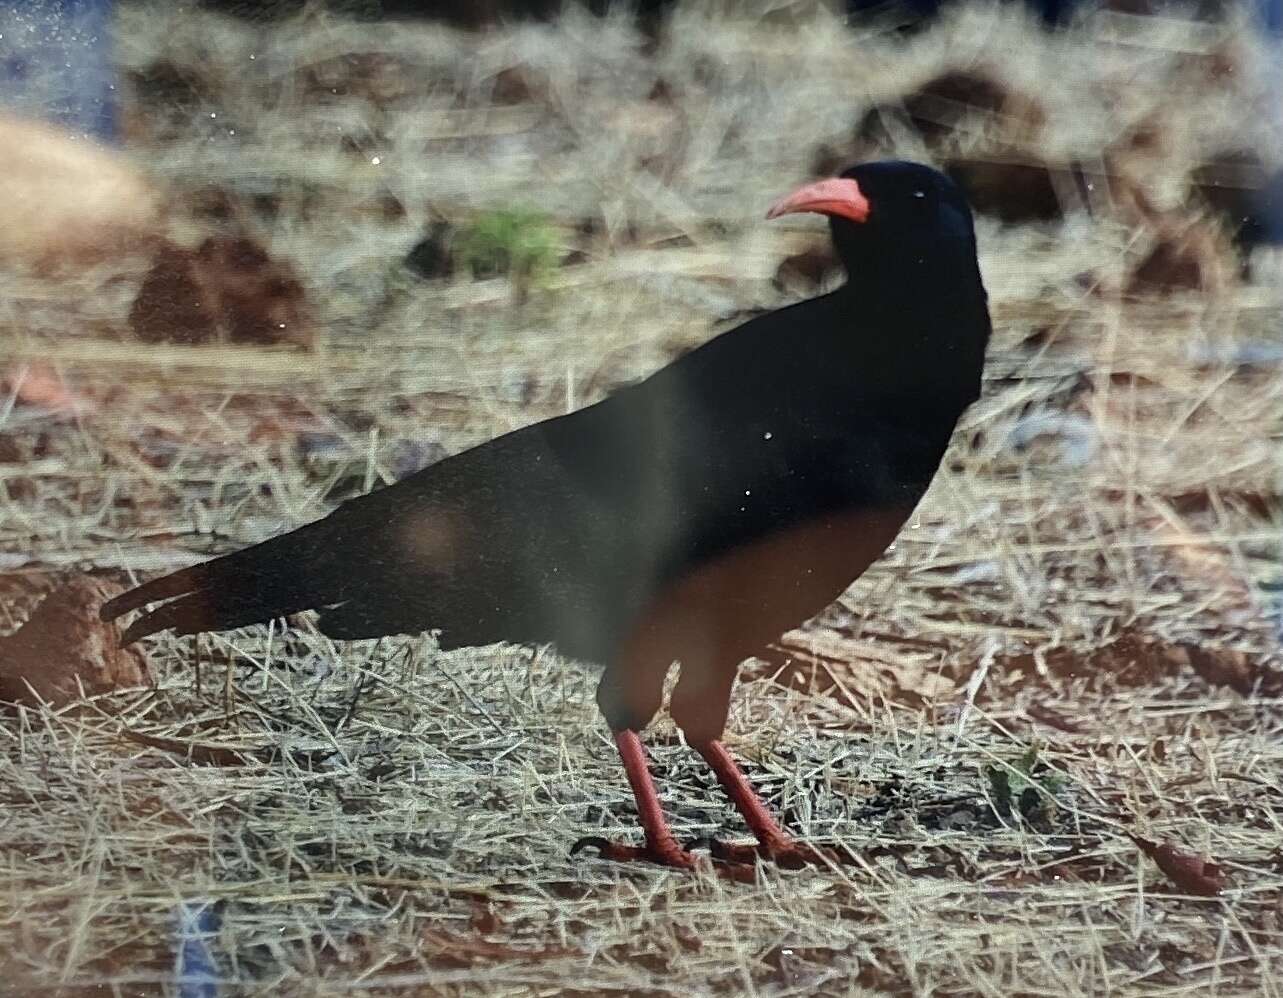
pixel 284 575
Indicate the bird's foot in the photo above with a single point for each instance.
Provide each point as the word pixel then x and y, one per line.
pixel 665 853
pixel 784 852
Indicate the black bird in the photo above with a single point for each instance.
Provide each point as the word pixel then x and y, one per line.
pixel 690 518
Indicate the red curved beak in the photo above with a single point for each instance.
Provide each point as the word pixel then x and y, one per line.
pixel 837 196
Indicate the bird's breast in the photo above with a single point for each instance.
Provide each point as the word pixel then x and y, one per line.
pixel 729 606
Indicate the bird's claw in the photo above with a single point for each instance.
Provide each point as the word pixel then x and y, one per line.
pixel 590 842
pixel 668 854
pixel 788 854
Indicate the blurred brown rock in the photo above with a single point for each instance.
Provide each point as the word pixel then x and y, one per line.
pixel 949 102
pixel 69 201
pixel 1012 190
pixel 379 77
pixel 230 290
pixel 1226 667
pixel 163 98
pixel 64 646
pixel 1183 257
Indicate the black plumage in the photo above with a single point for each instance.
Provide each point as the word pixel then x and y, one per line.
pixel 692 517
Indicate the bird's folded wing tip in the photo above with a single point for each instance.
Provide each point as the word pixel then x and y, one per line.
pixel 134 632
pixel 112 609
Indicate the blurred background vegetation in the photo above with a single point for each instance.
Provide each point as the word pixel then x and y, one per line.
pixel 322 246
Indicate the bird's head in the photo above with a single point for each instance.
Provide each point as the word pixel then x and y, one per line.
pixel 891 217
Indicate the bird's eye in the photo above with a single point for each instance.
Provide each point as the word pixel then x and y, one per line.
pixel 919 194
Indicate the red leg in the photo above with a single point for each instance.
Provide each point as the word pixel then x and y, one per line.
pixel 661 847
pixel 772 841
pixel 760 821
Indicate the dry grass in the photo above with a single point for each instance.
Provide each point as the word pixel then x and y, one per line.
pixel 384 817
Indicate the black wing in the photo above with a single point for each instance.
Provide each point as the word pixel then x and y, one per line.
pixel 561 531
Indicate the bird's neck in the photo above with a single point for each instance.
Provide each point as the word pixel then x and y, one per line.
pixel 917 280
pixel 932 335
pixel 917 305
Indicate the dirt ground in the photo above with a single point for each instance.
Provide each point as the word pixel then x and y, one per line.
pixel 1073 643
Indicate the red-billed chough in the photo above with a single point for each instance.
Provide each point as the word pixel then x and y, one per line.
pixel 691 518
